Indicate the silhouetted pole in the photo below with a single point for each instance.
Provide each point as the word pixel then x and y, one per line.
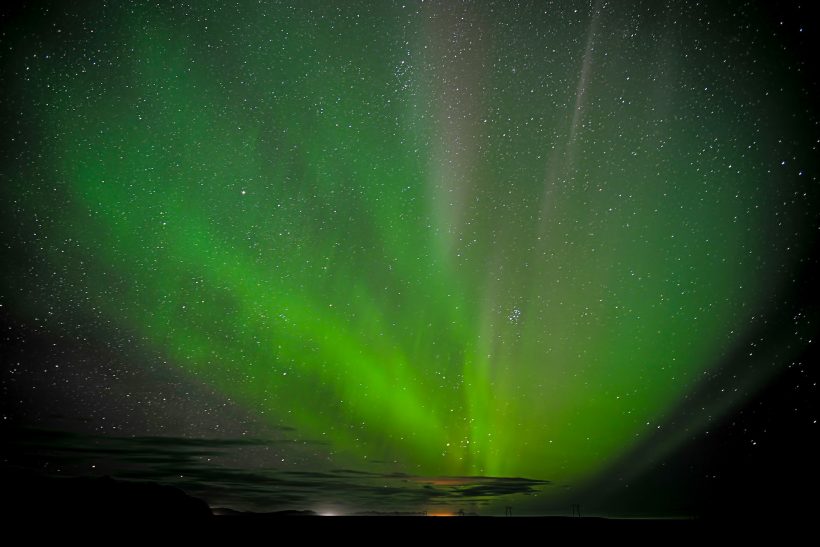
pixel 508 511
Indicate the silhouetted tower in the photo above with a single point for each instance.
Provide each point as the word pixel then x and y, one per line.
pixel 576 510
pixel 508 511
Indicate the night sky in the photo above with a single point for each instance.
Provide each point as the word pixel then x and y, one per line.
pixel 413 256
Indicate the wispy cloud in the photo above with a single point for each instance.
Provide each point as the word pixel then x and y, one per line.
pixel 199 467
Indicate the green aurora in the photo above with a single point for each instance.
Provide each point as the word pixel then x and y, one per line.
pixel 465 239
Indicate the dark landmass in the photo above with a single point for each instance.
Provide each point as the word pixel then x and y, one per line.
pixel 226 512
pixel 28 496
pixel 53 506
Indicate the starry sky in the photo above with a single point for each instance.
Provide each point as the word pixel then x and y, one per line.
pixel 416 256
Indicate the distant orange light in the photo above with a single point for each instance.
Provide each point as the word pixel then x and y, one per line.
pixel 440 514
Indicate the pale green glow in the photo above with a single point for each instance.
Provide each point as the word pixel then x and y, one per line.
pixel 398 247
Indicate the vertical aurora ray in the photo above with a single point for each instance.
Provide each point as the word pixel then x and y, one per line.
pixel 470 240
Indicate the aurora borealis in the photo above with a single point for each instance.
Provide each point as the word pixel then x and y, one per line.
pixel 434 240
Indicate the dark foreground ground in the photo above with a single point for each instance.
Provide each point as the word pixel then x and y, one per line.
pixel 383 530
pixel 109 509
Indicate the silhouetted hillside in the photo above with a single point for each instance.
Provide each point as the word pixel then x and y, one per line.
pixel 225 512
pixel 28 496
